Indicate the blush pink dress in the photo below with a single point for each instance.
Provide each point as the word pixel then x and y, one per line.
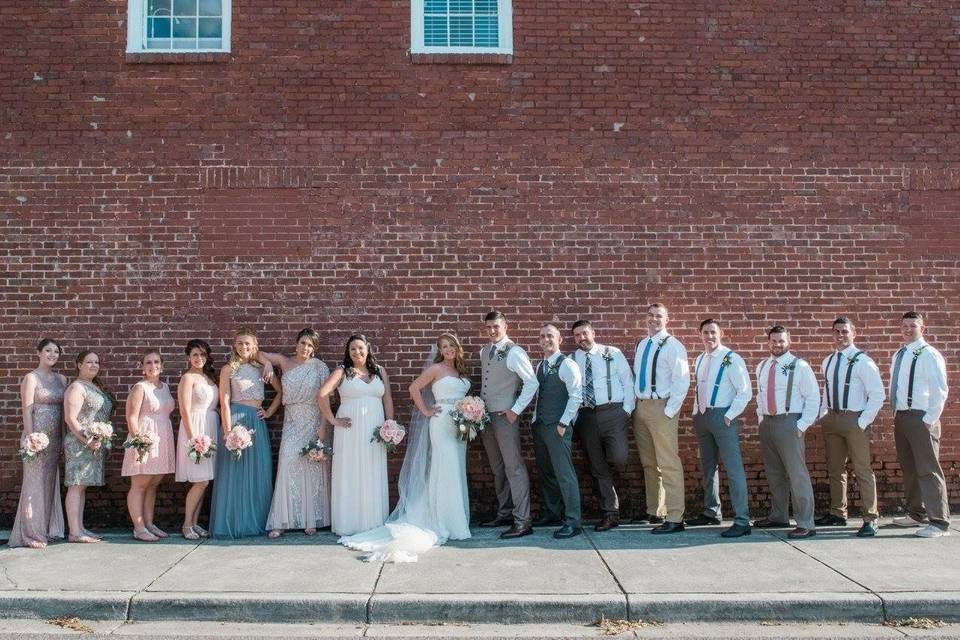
pixel 154 418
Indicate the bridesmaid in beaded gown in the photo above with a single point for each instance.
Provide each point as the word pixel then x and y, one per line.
pixel 86 401
pixel 149 405
pixel 242 492
pixel 39 512
pixel 301 494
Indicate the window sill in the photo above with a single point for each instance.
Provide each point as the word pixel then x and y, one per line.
pixel 177 57
pixel 461 58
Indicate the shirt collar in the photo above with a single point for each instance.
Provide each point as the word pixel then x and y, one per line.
pixel 660 335
pixel 849 351
pixel 783 359
pixel 595 349
pixel 916 344
pixel 552 359
pixel 719 351
pixel 499 345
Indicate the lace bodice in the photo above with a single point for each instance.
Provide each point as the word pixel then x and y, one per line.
pixel 205 395
pixel 156 402
pixel 246 384
pixel 96 407
pixel 447 390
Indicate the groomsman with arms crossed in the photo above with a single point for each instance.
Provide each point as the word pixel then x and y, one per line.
pixel 918 393
pixel 662 380
pixel 721 394
pixel 508 386
pixel 558 399
pixel 852 396
pixel 608 402
pixel 788 402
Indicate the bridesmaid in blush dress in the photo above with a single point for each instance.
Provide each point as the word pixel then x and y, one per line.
pixel 39 512
pixel 149 405
pixel 359 498
pixel 198 397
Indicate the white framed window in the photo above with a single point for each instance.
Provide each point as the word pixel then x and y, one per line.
pixel 461 26
pixel 176 26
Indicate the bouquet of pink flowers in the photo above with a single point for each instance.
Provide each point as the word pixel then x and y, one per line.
pixel 33 444
pixel 142 442
pixel 389 434
pixel 238 439
pixel 317 451
pixel 200 447
pixel 470 417
pixel 102 432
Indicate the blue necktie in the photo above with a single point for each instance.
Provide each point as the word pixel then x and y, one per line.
pixel 642 378
pixel 896 378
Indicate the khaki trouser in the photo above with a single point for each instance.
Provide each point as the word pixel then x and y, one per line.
pixel 659 453
pixel 845 440
pixel 918 450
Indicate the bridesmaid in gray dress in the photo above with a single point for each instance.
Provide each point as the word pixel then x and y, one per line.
pixel 85 402
pixel 301 493
pixel 39 512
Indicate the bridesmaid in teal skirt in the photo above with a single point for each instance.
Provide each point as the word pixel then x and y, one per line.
pixel 243 488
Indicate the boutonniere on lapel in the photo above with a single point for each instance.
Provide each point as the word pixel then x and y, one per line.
pixel 852 360
pixel 917 352
pixel 726 362
pixel 554 368
pixel 662 342
pixel 607 355
pixel 787 368
pixel 502 353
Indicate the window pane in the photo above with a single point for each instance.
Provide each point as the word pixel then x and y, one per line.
pixel 210 27
pixel 184 7
pixel 461 6
pixel 486 6
pixel 158 27
pixel 158 8
pixel 210 7
pixel 435 31
pixel 486 31
pixel 185 28
pixel 435 6
pixel 461 31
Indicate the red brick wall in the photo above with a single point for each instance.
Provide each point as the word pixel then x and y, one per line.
pixel 753 161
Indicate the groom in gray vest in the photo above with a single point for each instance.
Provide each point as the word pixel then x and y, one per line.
pixel 509 385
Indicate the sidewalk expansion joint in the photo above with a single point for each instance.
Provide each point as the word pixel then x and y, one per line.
pixel 373 592
pixel 127 617
pixel 616 580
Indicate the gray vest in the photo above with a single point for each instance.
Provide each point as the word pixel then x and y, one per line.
pixel 500 386
pixel 552 395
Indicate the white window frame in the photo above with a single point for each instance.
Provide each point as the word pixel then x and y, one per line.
pixel 505 35
pixel 137 30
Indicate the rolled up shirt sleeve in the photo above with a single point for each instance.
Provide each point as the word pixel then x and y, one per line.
pixel 873 387
pixel 680 379
pixel 937 375
pixel 519 363
pixel 570 375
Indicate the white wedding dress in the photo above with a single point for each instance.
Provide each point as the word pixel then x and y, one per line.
pixel 434 508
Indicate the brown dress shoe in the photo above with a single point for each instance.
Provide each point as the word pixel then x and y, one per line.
pixel 516 532
pixel 800 532
pixel 608 522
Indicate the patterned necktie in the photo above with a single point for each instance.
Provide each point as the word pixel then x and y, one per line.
pixel 589 393
pixel 836 382
pixel 703 397
pixel 642 378
pixel 895 380
pixel 772 389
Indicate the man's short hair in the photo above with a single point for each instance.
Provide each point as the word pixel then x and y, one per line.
pixel 496 314
pixel 709 321
pixel 912 315
pixel 777 328
pixel 657 305
pixel 581 323
pixel 550 324
pixel 843 320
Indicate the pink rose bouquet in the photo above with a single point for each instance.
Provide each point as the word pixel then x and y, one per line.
pixel 469 417
pixel 238 439
pixel 389 434
pixel 101 431
pixel 33 445
pixel 200 447
pixel 143 443
pixel 317 451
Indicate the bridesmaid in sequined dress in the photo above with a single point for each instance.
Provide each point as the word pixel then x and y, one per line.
pixel 39 512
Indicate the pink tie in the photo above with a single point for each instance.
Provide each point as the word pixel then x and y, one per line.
pixel 772 389
pixel 704 399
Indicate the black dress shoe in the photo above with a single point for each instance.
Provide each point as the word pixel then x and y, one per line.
pixel 767 523
pixel 566 531
pixel 868 530
pixel 647 519
pixel 830 520
pixel 800 532
pixel 702 520
pixel 736 531
pixel 608 522
pixel 499 521
pixel 547 522
pixel 516 532
pixel 668 527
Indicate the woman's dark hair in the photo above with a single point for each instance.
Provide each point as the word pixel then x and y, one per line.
pixel 314 340
pixel 208 363
pixel 43 343
pixel 371 362
pixel 96 379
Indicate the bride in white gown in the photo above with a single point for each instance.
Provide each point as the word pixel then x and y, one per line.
pixel 434 505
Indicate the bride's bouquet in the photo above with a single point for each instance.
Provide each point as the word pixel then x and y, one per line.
pixel 317 451
pixel 238 439
pixel 389 434
pixel 33 445
pixel 142 442
pixel 470 417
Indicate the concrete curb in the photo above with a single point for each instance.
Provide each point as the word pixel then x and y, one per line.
pixel 712 607
pixel 250 607
pixel 495 608
pixel 47 605
pixel 922 604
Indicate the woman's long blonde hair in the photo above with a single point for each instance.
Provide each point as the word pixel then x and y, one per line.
pixel 459 363
pixel 235 359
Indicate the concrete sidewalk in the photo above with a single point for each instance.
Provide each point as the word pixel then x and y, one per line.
pixel 626 573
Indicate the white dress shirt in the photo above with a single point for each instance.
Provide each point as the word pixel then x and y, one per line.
pixel 929 382
pixel 619 374
pixel 519 363
pixel 569 374
pixel 866 387
pixel 735 390
pixel 805 399
pixel 673 372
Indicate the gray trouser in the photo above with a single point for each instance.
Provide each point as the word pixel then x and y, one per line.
pixel 502 442
pixel 720 443
pixel 786 466
pixel 558 478
pixel 603 434
pixel 918 451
